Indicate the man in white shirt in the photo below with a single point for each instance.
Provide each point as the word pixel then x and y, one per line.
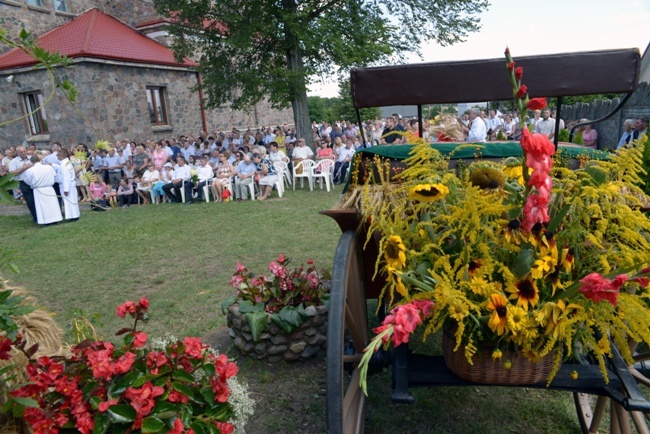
pixel 205 174
pixel 343 162
pixel 478 130
pixel 188 150
pixel 181 173
pixel 269 137
pixel 40 177
pixel 546 125
pixel 68 186
pixel 16 168
pixel 494 123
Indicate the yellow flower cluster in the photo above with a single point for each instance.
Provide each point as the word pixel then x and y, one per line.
pixel 492 283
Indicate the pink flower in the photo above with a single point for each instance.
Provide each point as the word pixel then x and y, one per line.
pixel 225 427
pixel 236 281
pixel 143 303
pixel 240 267
pixel 124 363
pixel 193 347
pixel 123 309
pixel 155 360
pixel 139 339
pixel 538 144
pixel 381 329
pixel 642 281
pixel 597 288
pixel 280 257
pixel 277 269
pixel 535 211
pixel 103 406
pixel 425 307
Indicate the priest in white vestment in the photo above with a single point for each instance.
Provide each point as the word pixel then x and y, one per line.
pixel 40 177
pixel 68 186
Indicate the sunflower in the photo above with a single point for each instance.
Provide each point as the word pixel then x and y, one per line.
pixel 396 281
pixel 568 257
pixel 428 192
pixel 514 233
pixel 394 252
pixel 499 318
pixel 525 292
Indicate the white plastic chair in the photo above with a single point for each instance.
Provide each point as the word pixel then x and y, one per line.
pixel 306 166
pixel 283 172
pixel 207 190
pixel 324 170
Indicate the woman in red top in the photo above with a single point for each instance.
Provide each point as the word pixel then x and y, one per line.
pixel 323 152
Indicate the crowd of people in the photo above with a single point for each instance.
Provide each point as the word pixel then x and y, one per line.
pixel 226 164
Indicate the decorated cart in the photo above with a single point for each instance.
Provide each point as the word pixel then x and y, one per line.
pixel 514 307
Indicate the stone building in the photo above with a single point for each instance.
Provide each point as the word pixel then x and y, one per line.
pixel 130 86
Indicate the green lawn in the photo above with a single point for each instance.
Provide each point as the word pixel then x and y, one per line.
pixel 182 257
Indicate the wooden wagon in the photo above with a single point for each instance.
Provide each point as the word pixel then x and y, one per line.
pixel 613 71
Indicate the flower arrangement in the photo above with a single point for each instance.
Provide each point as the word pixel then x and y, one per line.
pixel 282 296
pixel 521 257
pixel 174 386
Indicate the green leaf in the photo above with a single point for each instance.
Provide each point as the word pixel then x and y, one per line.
pixel 257 322
pixel 152 424
pixel 288 328
pixel 208 368
pixel 121 413
pixel 553 225
pixel 208 396
pixel 120 386
pixel 185 390
pixel 27 402
pixel 94 402
pixel 199 427
pixel 102 423
pixel 165 410
pixel 293 315
pixel 524 262
pixel 246 306
pixel 220 412
pixel 227 303
pixel 183 376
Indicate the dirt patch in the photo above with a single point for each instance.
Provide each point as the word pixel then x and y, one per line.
pixel 219 339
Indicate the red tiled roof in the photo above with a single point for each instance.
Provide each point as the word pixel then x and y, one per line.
pixel 99 35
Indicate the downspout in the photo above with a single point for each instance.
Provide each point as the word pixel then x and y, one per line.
pixel 204 120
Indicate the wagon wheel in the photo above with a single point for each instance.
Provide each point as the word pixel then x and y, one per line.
pixel 347 336
pixel 600 414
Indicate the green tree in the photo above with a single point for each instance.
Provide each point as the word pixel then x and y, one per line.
pixel 252 49
pixel 320 109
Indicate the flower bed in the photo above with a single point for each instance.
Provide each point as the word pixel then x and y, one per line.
pixel 274 344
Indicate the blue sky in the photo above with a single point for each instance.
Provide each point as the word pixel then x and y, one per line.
pixel 547 26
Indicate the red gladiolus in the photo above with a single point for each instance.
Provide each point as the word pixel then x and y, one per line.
pixel 536 103
pixel 522 91
pixel 511 66
pixel 519 72
pixel 642 281
pixel 507 51
pixel 535 211
pixel 597 288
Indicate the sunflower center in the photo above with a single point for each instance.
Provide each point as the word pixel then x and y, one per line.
pixel 392 251
pixel 526 289
pixel 514 224
pixel 501 311
pixel 429 192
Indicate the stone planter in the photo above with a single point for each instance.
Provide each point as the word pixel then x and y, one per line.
pixel 307 341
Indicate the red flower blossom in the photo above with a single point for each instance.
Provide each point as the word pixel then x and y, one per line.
pixel 124 363
pixel 178 427
pixel 193 347
pixel 5 348
pixel 511 66
pixel 240 267
pixel 175 396
pixel 522 91
pixel 442 137
pixel 139 339
pixel 536 103
pixel 425 306
pixel 310 262
pixel 128 307
pixel 103 406
pixel 642 281
pixel 598 288
pixel 155 360
pixel 236 281
pixel 535 211
pixel 143 399
pixel 225 427
pixel 143 303
pixel 101 363
pixel 519 72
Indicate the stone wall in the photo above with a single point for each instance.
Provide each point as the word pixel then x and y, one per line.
pixel 113 100
pixel 15 14
pixel 610 131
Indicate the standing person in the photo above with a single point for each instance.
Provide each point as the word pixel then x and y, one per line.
pixel 17 167
pixel 546 125
pixel 478 130
pixel 68 187
pixel 393 133
pixel 40 177
pixel 113 163
pixel 159 156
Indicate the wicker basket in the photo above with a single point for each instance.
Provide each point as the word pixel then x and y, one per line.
pixel 485 370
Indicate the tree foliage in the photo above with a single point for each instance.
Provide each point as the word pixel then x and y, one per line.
pixel 259 48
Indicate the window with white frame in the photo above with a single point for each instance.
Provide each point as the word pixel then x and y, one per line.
pixel 157 106
pixel 33 102
pixel 61 5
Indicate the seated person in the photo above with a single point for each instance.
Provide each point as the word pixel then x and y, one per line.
pixel 124 193
pixel 323 152
pixel 150 177
pixel 343 162
pixel 111 195
pixel 300 153
pixel 204 176
pixel 245 171
pixel 97 189
pixel 224 171
pixel 165 178
pixel 268 175
pixel 180 174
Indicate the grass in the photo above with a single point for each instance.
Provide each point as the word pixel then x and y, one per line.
pixel 182 257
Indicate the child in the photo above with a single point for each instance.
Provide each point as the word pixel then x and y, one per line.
pixel 111 195
pixel 129 171
pixel 125 193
